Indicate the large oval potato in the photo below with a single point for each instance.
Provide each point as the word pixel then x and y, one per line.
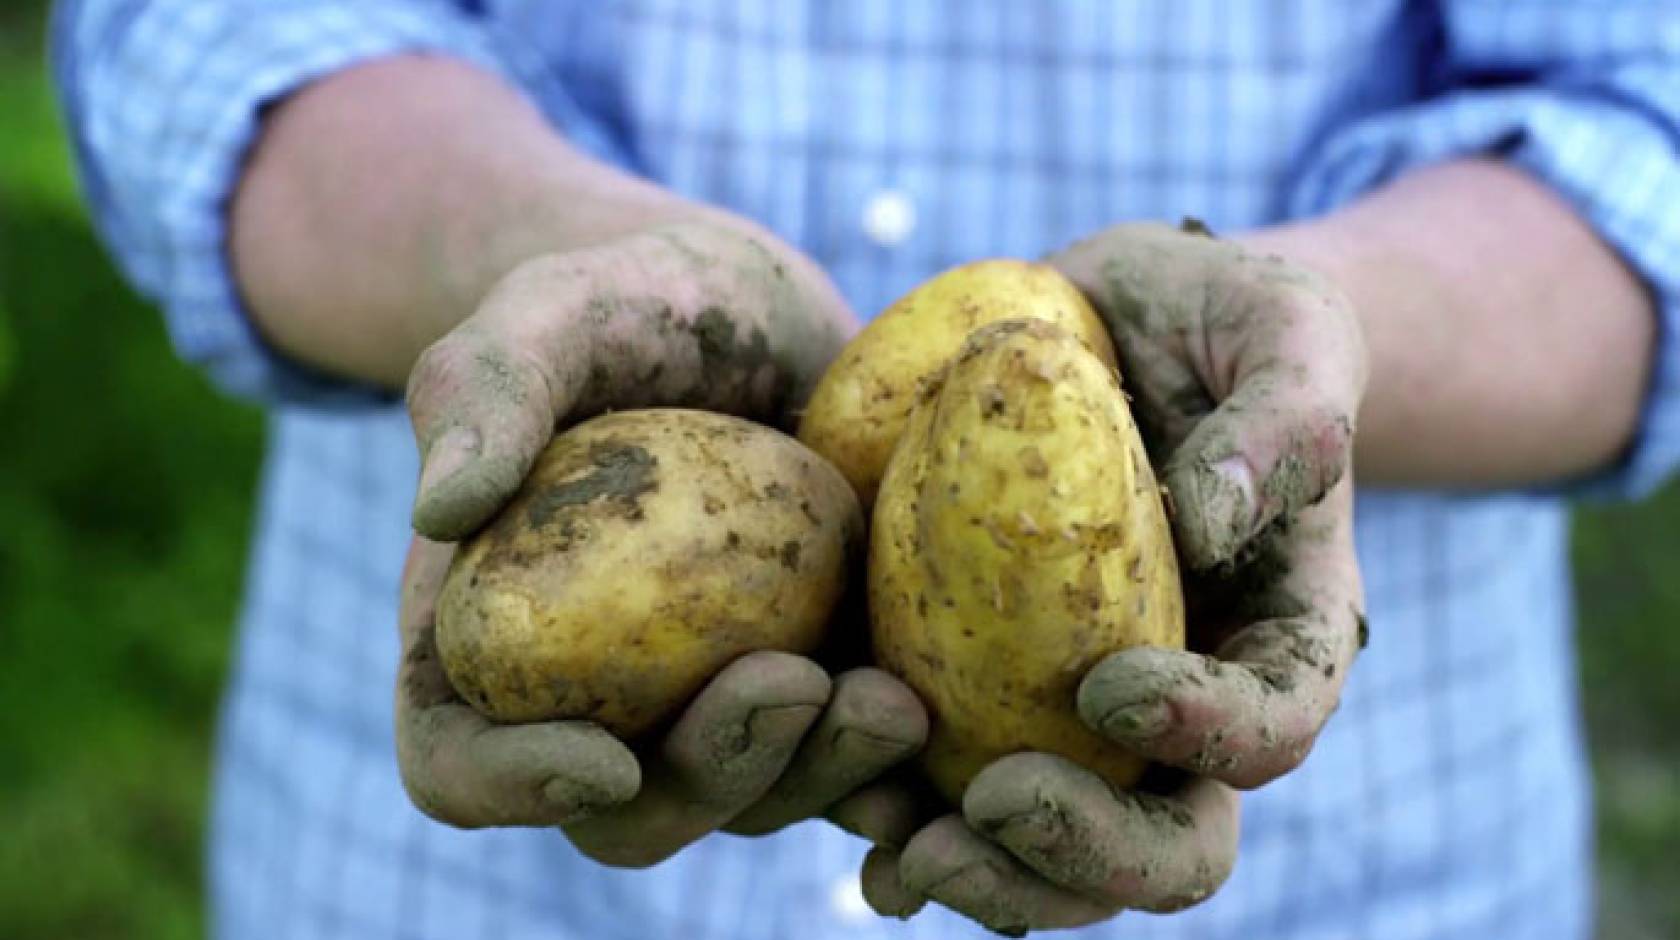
pixel 645 551
pixel 860 406
pixel 1019 538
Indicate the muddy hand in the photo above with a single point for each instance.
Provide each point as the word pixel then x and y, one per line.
pixel 1043 843
pixel 771 740
pixel 695 316
pixel 462 769
pixel 1246 374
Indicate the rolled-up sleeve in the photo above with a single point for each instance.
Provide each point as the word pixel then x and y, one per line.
pixel 1586 97
pixel 163 99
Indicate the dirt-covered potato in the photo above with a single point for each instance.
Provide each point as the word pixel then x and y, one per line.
pixel 860 406
pixel 1019 537
pixel 645 551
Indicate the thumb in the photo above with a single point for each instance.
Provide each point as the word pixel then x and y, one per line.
pixel 483 405
pixel 1278 443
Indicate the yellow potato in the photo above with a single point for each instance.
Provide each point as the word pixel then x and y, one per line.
pixel 645 551
pixel 1019 538
pixel 860 406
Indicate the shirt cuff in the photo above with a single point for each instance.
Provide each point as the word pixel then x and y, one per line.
pixel 165 99
pixel 1610 155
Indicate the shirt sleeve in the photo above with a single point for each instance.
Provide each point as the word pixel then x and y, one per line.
pixel 162 99
pixel 1586 97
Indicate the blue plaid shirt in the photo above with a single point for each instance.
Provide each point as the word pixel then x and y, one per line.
pixel 1448 798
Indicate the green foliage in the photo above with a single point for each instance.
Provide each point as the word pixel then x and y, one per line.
pixel 1627 571
pixel 125 488
pixel 7 345
pixel 125 495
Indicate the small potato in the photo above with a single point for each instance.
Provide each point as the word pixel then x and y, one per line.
pixel 645 551
pixel 1019 538
pixel 860 406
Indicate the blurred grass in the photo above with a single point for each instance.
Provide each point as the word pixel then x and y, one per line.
pixel 125 488
pixel 1627 572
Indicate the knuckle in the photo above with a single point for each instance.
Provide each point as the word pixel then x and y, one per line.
pixel 439 371
pixel 1280 759
pixel 469 365
pixel 431 801
pixel 1313 446
pixel 1328 437
pixel 691 247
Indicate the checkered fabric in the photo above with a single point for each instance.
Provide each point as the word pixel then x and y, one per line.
pixel 1448 797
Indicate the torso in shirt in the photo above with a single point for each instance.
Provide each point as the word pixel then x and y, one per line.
pixel 1446 795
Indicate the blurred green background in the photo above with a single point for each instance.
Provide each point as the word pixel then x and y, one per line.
pixel 125 501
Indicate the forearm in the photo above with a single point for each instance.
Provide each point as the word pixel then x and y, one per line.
pixel 1508 344
pixel 382 203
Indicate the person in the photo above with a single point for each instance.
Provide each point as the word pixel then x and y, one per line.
pixel 1442 258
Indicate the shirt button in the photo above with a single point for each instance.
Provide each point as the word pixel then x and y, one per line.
pixel 889 217
pixel 845 898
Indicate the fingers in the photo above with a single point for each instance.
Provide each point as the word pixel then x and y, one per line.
pixel 1043 844
pixel 886 813
pixel 873 721
pixel 1192 711
pixel 738 735
pixel 1250 368
pixel 702 315
pixel 1252 711
pixel 461 769
pixel 1282 434
pixel 884 890
pixel 1131 850
pixel 950 863
pixel 484 399
pixel 1275 446
pixel 722 755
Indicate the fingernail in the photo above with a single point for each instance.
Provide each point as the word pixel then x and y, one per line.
pixel 1138 721
pixel 1236 474
pixel 1223 502
pixel 447 455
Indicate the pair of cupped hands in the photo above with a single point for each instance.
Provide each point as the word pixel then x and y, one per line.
pixel 1245 374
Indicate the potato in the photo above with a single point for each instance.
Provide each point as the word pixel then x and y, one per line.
pixel 1018 539
pixel 859 407
pixel 645 551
